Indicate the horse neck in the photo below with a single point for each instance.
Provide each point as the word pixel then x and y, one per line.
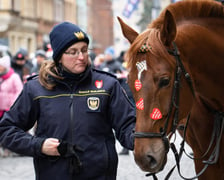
pixel 201 51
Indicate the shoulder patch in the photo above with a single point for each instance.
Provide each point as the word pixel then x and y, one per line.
pixel 104 72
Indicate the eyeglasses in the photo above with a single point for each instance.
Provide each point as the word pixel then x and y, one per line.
pixel 75 53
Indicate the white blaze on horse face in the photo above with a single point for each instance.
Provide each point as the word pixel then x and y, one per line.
pixel 141 66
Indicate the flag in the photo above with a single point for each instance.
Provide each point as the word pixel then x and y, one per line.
pixel 130 7
pixel 173 1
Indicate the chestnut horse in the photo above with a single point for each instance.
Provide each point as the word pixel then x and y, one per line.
pixel 177 76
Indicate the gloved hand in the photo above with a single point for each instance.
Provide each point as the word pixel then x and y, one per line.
pixel 68 150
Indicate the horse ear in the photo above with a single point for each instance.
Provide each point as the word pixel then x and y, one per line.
pixel 127 31
pixel 168 30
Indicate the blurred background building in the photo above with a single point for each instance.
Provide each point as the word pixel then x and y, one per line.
pixel 27 23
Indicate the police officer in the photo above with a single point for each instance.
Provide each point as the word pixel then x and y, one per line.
pixel 77 110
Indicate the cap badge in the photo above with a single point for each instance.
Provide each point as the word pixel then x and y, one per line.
pixel 80 35
pixel 19 55
pixel 93 103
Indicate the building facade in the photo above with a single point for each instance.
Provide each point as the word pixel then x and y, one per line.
pixel 100 23
pixel 27 23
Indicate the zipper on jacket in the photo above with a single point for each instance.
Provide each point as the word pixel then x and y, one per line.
pixel 71 129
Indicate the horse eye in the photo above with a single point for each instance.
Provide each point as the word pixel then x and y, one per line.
pixel 164 82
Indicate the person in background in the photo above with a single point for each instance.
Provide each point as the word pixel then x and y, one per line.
pixel 77 110
pixel 94 51
pixel 110 63
pixel 28 65
pixel 40 56
pixel 120 58
pixel 47 48
pixel 10 88
pixel 18 62
pixel 21 65
pixel 99 59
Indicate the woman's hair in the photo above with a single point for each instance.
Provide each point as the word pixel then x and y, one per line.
pixel 48 70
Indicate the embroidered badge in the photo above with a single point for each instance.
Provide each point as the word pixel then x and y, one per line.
pixel 19 55
pixel 93 103
pixel 80 35
pixel 99 84
pixel 156 114
pixel 140 104
pixel 138 85
pixel 141 66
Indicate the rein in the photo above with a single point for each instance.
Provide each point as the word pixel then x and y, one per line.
pixel 213 158
pixel 174 107
pixel 216 134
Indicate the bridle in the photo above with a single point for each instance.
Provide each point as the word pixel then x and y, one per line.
pixel 174 103
pixel 217 132
pixel 173 107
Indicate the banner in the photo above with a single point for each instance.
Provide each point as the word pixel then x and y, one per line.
pixel 130 7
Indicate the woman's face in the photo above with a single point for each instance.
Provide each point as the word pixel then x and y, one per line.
pixel 75 58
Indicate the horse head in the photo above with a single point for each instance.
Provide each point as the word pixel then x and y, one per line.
pixel 152 78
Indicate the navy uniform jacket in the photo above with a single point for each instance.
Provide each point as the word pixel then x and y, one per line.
pixel 85 114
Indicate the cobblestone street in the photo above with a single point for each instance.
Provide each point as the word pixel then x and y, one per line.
pixel 21 168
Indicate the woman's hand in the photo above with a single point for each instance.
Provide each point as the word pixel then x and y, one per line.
pixel 49 147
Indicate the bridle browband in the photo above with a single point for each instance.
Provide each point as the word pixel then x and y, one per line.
pixel 174 107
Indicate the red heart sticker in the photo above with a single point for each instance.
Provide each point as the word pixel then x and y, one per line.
pixel 140 104
pixel 138 85
pixel 156 114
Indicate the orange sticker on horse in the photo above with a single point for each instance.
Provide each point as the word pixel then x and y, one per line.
pixel 138 85
pixel 140 104
pixel 156 114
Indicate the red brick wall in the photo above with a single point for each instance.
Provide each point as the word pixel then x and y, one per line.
pixel 100 18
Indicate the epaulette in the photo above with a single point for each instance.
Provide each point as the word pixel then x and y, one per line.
pixel 32 77
pixel 104 72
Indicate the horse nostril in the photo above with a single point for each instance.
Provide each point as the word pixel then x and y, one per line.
pixel 152 161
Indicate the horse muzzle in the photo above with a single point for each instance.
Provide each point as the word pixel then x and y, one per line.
pixel 150 154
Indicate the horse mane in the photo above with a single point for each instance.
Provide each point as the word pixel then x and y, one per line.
pixel 189 9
